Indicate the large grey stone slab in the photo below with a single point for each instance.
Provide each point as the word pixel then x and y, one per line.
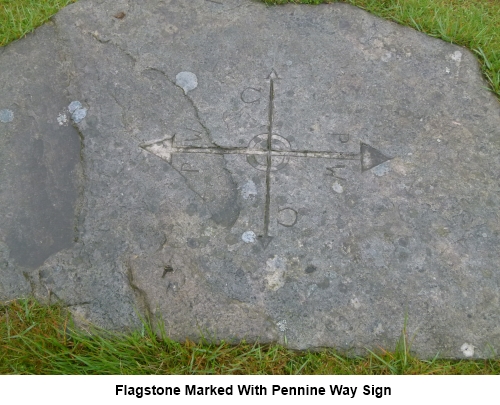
pixel 308 175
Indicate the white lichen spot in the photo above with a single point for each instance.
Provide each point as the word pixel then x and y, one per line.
pixel 187 81
pixel 457 56
pixel 467 349
pixel 276 268
pixel 78 113
pixel 337 188
pixel 282 325
pixel 6 116
pixel 73 106
pixel 381 169
pixel 355 303
pixel 62 119
pixel 248 190
pixel 248 237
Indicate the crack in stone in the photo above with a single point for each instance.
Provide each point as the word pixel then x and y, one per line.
pixel 136 61
pixel 191 102
pixel 140 294
pixel 110 41
pixel 30 281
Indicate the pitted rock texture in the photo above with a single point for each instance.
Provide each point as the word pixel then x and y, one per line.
pixel 308 175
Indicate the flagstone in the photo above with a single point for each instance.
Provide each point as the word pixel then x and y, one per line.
pixel 313 176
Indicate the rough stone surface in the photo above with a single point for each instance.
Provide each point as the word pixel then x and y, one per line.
pixel 302 174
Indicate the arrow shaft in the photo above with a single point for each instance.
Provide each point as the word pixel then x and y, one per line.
pixel 317 154
pixel 268 153
pixel 269 159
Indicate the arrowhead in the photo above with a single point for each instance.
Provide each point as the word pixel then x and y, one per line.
pixel 371 157
pixel 273 75
pixel 265 240
pixel 161 148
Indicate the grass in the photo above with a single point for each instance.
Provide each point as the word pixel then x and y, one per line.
pixel 19 17
pixel 39 339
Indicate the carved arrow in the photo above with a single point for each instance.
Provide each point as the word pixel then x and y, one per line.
pixel 262 145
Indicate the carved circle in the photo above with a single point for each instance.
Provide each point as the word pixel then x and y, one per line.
pixel 250 95
pixel 259 143
pixel 287 217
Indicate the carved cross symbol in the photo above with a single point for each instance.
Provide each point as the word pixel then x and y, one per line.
pixel 268 152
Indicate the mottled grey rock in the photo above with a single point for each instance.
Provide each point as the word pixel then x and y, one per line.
pixel 311 175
